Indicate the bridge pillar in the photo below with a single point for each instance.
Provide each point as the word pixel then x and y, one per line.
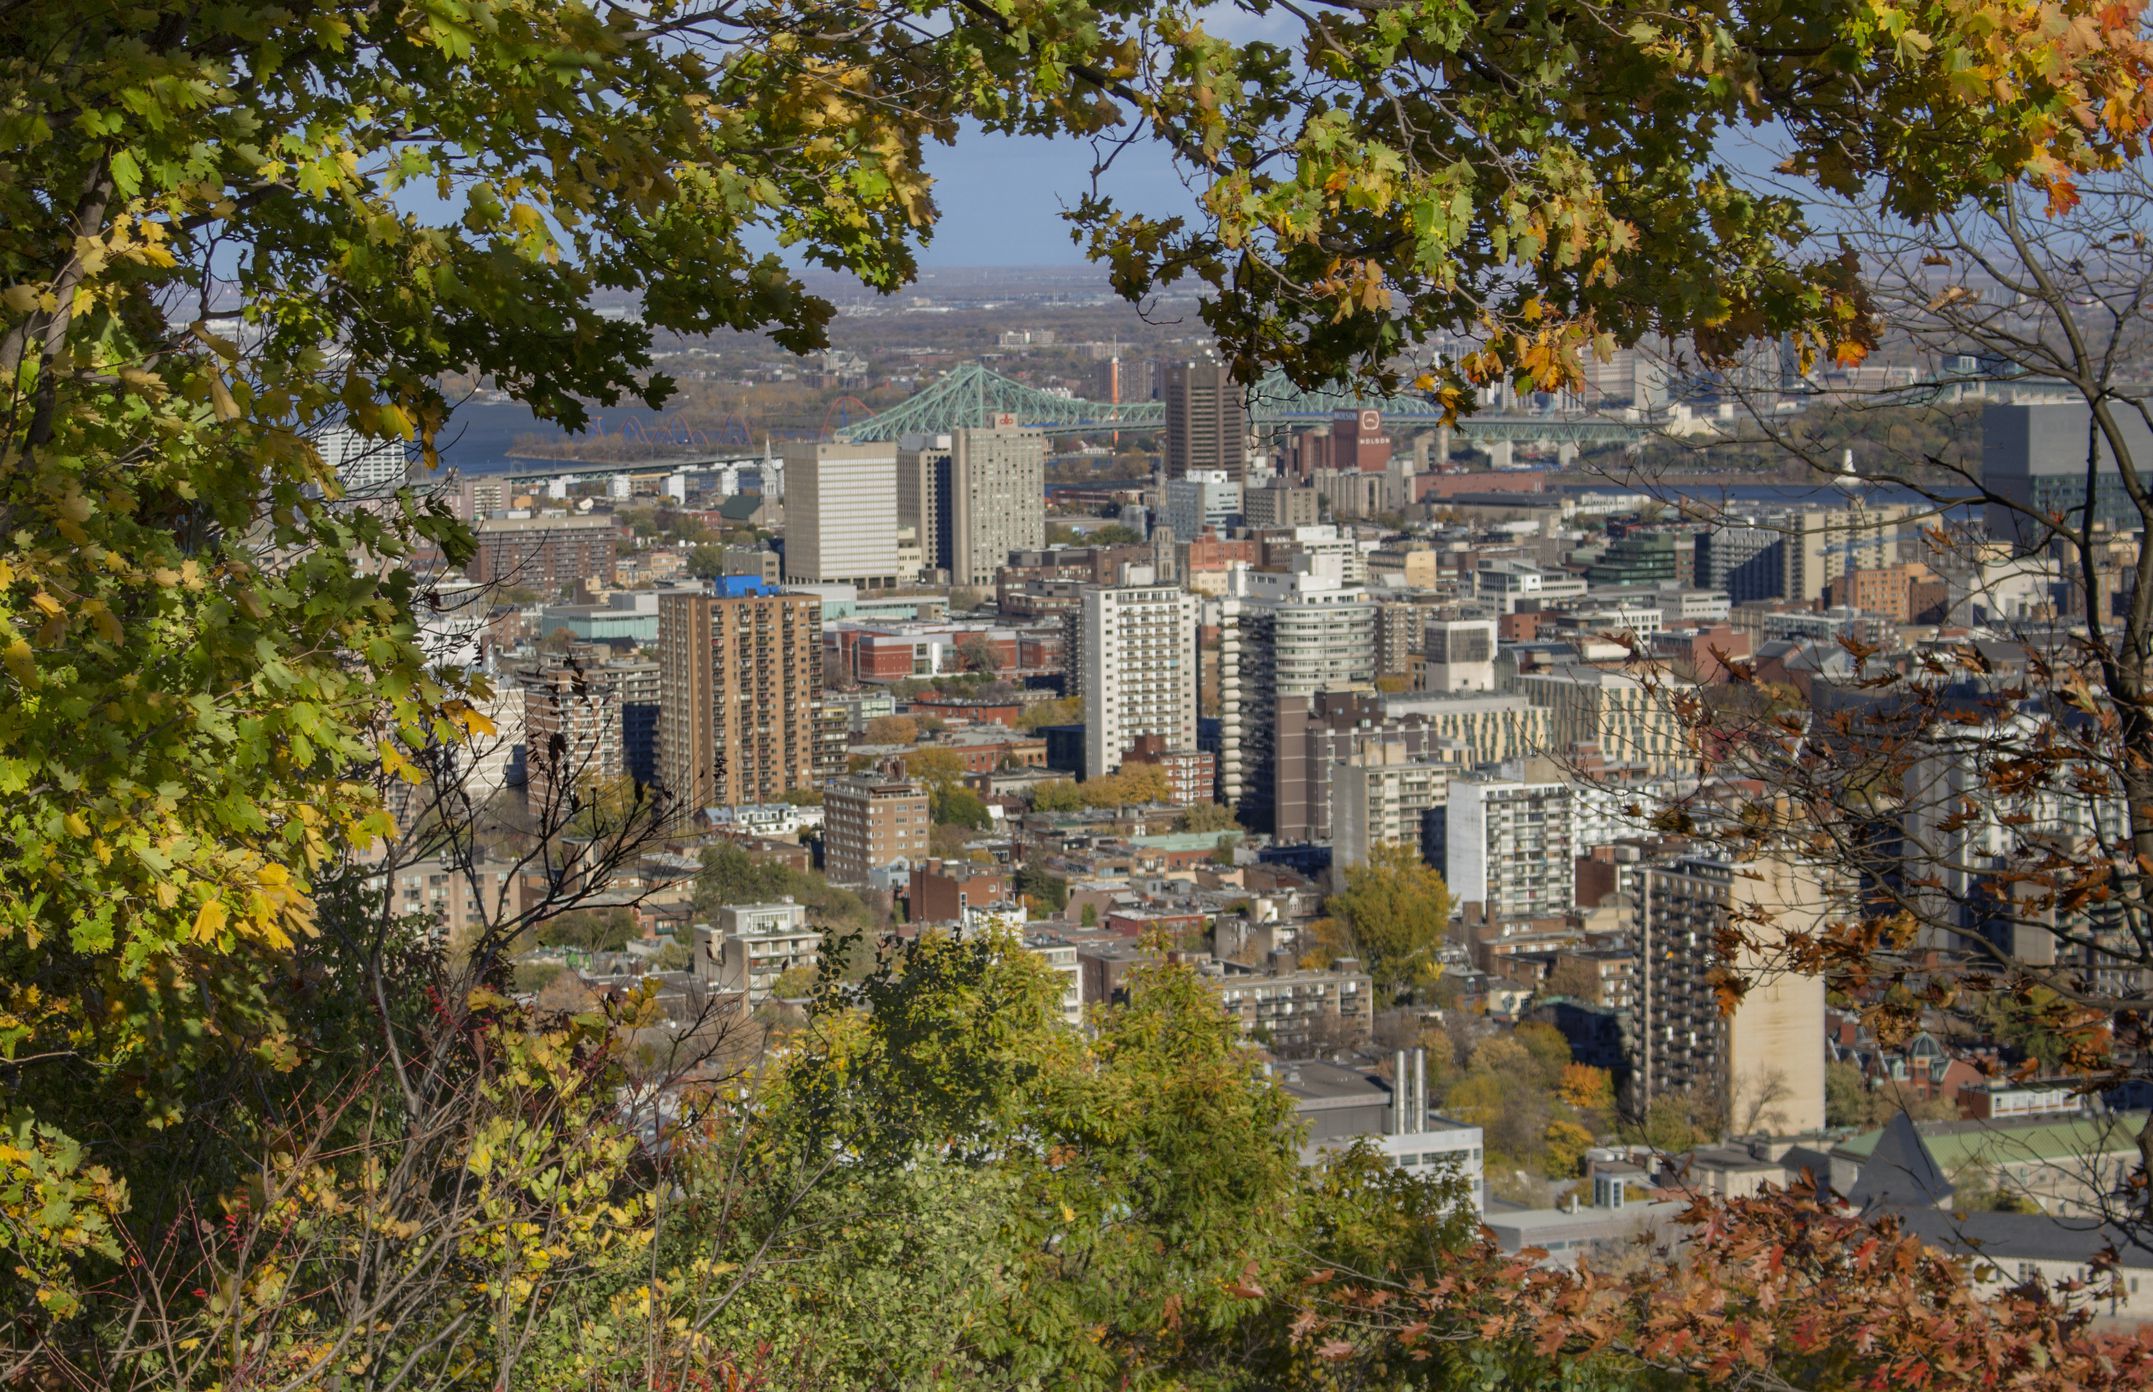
pixel 1566 453
pixel 557 486
pixel 1503 454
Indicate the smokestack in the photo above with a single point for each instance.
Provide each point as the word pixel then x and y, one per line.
pixel 1400 1118
pixel 1420 1088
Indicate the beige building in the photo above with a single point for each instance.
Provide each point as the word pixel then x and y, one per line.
pixel 1632 723
pixel 1300 1011
pixel 1414 567
pixel 1281 505
pixel 871 824
pixel 1488 729
pixel 572 735
pixel 841 514
pixel 739 677
pixel 972 497
pixel 1764 1063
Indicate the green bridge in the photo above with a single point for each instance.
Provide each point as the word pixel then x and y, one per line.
pixel 972 395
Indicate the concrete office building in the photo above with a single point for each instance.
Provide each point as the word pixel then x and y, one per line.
pixel 1742 559
pixel 872 824
pixel 1765 1062
pixel 841 514
pixel 1202 500
pixel 2034 454
pixel 1282 505
pixel 1206 419
pixel 1138 673
pixel 1459 656
pixel 1282 638
pixel 972 497
pixel 739 679
pixel 1510 847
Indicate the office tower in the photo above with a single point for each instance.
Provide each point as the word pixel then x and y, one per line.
pixel 1510 847
pixel 972 497
pixel 1742 559
pixel 1202 500
pixel 871 824
pixel 1138 674
pixel 547 553
pixel 841 514
pixel 739 678
pixel 1460 655
pixel 1764 1064
pixel 572 735
pixel 2034 455
pixel 1206 419
pixel 1282 505
pixel 1282 638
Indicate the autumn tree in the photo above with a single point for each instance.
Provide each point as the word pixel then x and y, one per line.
pixel 893 729
pixel 1392 914
pixel 1058 795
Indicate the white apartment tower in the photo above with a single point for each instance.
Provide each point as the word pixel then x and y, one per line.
pixel 1511 847
pixel 1281 637
pixel 1138 649
pixel 841 514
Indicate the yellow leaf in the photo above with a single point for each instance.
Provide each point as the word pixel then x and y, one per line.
pixel 21 662
pixel 209 920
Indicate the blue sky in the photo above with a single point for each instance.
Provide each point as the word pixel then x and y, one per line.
pixel 1001 197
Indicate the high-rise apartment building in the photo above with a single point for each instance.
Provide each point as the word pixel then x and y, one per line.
pixel 545 553
pixel 972 497
pixel 1138 674
pixel 1206 419
pixel 638 686
pixel 1383 795
pixel 1510 847
pixel 1763 1064
pixel 841 514
pixel 1282 638
pixel 739 677
pixel 572 735
pixel 871 824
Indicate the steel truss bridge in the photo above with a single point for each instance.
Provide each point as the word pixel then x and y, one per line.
pixel 972 395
